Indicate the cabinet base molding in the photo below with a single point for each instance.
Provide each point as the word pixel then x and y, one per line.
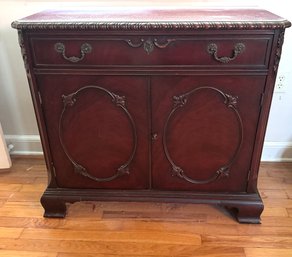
pixel 246 208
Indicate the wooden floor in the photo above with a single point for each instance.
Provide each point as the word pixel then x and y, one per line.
pixel 111 229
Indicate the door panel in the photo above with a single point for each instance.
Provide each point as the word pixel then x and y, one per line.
pixel 205 131
pixel 96 130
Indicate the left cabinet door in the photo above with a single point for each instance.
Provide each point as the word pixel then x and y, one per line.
pixel 97 128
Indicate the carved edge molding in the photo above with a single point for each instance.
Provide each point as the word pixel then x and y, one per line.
pixel 119 101
pixel 179 102
pixel 24 54
pixel 136 26
pixel 280 42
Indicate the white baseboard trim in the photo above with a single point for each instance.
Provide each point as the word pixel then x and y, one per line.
pixel 31 145
pixel 277 152
pixel 24 144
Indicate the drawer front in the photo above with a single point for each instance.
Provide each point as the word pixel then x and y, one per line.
pixel 237 51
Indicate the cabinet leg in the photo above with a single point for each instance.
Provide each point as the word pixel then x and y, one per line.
pixel 54 207
pixel 246 213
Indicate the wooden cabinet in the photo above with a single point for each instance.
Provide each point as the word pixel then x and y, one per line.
pixel 158 105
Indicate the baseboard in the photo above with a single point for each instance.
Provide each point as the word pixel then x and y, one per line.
pixel 277 152
pixel 24 144
pixel 31 145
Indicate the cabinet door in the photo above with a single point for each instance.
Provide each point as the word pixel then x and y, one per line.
pixel 96 127
pixel 204 131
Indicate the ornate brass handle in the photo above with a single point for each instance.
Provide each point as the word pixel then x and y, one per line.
pixel 84 49
pixel 238 49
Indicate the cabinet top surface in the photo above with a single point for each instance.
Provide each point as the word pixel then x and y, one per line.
pixel 152 19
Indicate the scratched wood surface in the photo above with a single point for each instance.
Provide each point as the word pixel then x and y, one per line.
pixel 111 229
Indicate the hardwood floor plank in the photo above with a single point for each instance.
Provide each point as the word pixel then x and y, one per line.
pixel 35 187
pixel 17 180
pixel 10 253
pixel 31 222
pixel 276 165
pixel 104 255
pixel 149 207
pixel 25 196
pixel 266 252
pixel 278 203
pixel 118 225
pixel 276 221
pixel 9 187
pixel 2 202
pixel 88 210
pixel 263 172
pixel 269 193
pixel 289 193
pixel 22 171
pixel 82 246
pixel 268 183
pixel 4 195
pixel 200 217
pixel 261 230
pixel 10 232
pixel 275 212
pixel 267 228
pixel 43 180
pixel 199 252
pixel 158 237
pixel 248 241
pixel 21 209
pixel 279 171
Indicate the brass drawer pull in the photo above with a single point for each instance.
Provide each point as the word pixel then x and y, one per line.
pixel 84 49
pixel 238 49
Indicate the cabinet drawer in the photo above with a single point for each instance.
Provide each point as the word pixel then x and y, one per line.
pixel 235 51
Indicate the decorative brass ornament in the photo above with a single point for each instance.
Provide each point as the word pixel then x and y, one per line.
pixel 149 44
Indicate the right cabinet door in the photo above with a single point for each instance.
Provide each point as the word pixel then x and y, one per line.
pixel 203 131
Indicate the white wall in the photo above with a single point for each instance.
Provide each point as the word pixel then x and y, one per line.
pixel 16 111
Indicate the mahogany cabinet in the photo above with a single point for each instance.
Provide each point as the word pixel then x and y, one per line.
pixel 151 104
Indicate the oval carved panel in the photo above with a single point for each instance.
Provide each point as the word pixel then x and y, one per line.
pixel 180 102
pixel 119 102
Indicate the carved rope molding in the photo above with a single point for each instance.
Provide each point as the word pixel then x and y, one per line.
pixel 138 26
pixel 119 101
pixel 179 102
pixel 278 50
